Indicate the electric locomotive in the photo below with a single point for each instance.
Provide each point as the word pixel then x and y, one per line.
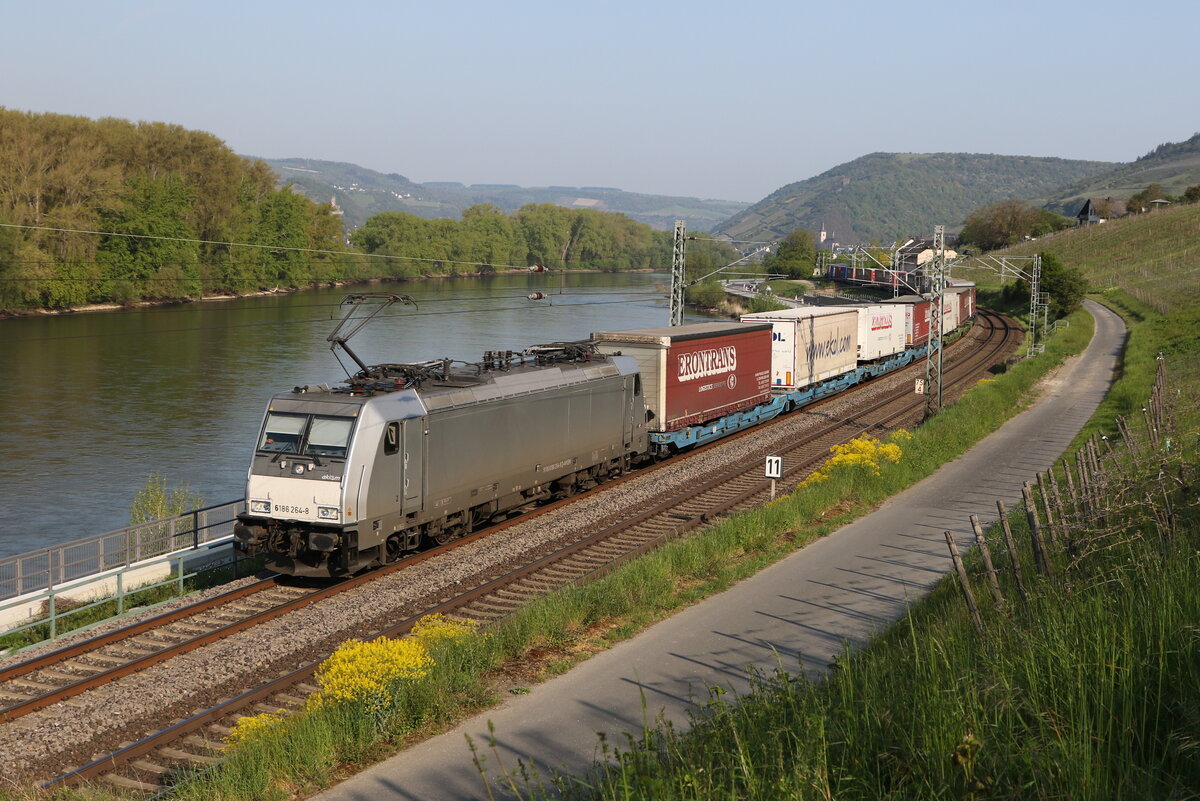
pixel 349 477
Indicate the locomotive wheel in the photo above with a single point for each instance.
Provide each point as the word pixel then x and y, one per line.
pixel 445 535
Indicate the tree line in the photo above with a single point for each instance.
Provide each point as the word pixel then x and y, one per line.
pixel 182 215
pixel 170 199
pixel 1007 223
pixel 1011 221
pixel 486 238
pixel 1140 202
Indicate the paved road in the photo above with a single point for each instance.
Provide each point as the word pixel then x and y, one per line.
pixel 839 589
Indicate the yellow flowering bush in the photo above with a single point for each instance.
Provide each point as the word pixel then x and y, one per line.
pixel 815 477
pixel 861 453
pixel 438 628
pixel 369 673
pixel 252 726
pixel 366 671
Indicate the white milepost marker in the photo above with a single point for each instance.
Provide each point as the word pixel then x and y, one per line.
pixel 774 471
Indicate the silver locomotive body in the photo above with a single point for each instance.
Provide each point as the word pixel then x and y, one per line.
pixel 347 478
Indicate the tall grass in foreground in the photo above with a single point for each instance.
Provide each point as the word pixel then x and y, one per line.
pixel 331 740
pixel 1091 695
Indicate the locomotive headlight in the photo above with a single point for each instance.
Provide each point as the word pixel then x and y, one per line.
pixel 260 507
pixel 327 512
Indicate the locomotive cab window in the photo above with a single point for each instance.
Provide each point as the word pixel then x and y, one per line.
pixel 328 436
pixel 304 434
pixel 281 433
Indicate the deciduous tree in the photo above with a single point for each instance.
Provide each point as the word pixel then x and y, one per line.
pixel 1065 286
pixel 794 256
pixel 1008 222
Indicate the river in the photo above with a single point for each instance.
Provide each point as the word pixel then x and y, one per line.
pixel 96 402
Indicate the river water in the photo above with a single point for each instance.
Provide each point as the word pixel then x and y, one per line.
pixel 94 403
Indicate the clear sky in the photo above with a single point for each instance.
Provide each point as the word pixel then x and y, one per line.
pixel 715 100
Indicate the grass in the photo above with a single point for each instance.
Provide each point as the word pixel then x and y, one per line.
pixel 550 636
pixel 1087 695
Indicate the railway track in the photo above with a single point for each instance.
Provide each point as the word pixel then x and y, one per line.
pixel 156 761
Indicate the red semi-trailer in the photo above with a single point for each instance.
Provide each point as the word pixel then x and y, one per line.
pixel 966 303
pixel 692 374
pixel 916 319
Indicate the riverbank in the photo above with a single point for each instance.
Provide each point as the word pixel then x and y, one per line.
pixel 8 314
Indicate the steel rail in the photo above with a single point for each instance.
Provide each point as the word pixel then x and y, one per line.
pixel 125 632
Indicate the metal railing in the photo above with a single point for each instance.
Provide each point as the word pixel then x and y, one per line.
pixel 47 568
pixel 55 616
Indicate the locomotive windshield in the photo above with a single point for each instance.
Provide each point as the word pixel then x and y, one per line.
pixel 306 434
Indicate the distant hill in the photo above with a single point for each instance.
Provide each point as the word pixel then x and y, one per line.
pixel 1175 166
pixel 361 192
pixel 887 196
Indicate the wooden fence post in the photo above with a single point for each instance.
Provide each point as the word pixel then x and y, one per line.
pixel 1067 473
pixel 1051 522
pixel 1151 431
pixel 986 553
pixel 1061 509
pixel 1013 558
pixel 964 583
pixel 1040 559
pixel 1087 504
pixel 1075 516
pixel 1131 443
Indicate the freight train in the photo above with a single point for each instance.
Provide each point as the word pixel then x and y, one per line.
pixel 353 476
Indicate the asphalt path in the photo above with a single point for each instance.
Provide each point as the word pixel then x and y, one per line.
pixel 802 610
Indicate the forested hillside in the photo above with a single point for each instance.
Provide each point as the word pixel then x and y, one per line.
pixel 110 211
pixel 168 196
pixel 1174 166
pixel 883 197
pixel 362 192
